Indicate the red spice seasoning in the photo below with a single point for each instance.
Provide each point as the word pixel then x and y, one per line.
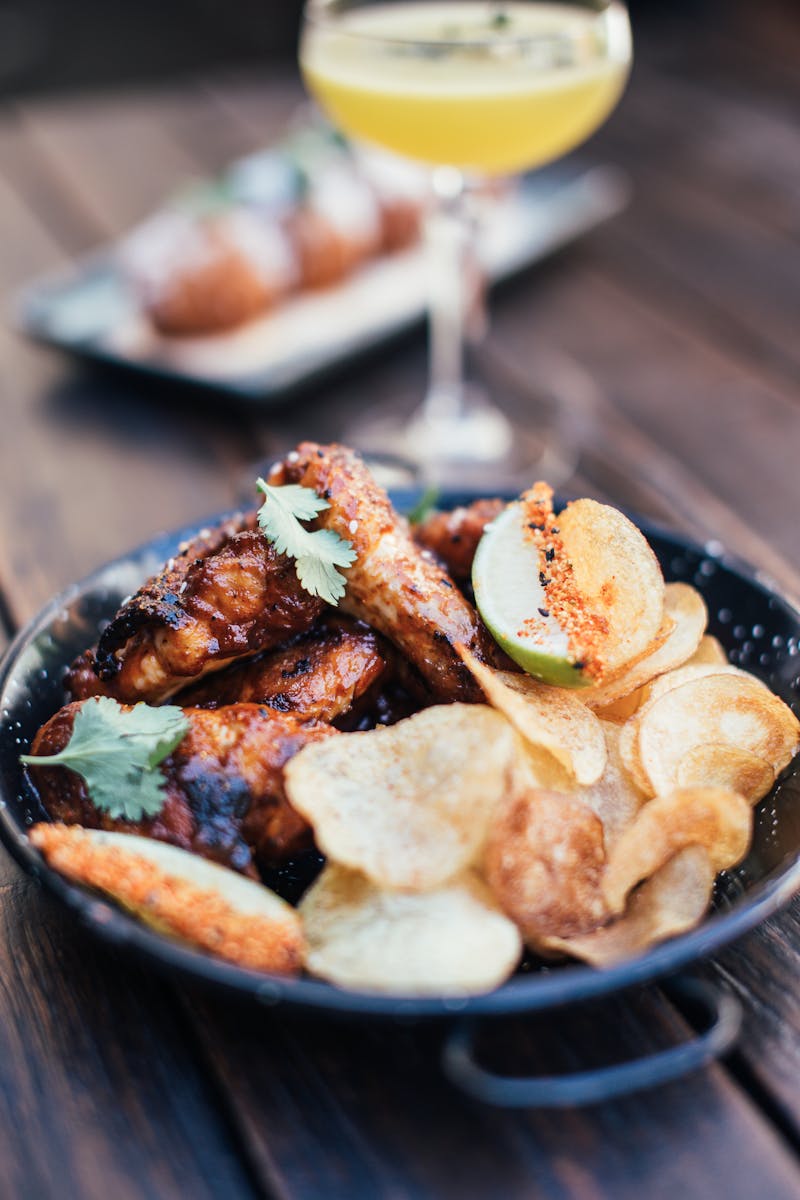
pixel 583 628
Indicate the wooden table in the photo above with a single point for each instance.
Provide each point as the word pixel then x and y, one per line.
pixel 117 1083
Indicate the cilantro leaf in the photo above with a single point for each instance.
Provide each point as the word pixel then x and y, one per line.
pixel 317 553
pixel 117 751
pixel 425 505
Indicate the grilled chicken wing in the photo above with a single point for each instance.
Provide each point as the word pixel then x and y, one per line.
pixel 319 676
pixel 227 594
pixel 453 536
pixel 391 585
pixel 225 798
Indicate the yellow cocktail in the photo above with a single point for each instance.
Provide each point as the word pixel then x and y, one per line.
pixel 486 88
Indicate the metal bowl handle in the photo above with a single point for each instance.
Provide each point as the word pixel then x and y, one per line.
pixel 724 1018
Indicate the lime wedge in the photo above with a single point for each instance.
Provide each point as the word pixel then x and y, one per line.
pixel 513 603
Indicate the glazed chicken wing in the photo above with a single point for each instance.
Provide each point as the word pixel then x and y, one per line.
pixel 391 585
pixel 225 798
pixel 453 536
pixel 225 595
pixel 319 676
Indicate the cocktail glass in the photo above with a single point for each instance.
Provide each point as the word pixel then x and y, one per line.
pixel 477 90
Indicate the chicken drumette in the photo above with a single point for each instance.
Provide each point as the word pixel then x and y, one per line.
pixel 453 536
pixel 391 585
pixel 226 594
pixel 224 794
pixel 319 676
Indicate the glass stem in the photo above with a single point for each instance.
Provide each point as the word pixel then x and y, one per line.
pixel 456 297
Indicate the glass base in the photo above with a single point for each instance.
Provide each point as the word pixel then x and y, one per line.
pixel 537 436
pixel 480 433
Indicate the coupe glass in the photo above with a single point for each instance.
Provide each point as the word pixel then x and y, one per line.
pixel 477 90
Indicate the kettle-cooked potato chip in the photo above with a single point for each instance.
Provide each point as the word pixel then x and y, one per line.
pixel 616 797
pixel 450 941
pixel 714 818
pixel 709 651
pixel 691 671
pixel 730 707
pixel 727 766
pixel 673 900
pixel 618 576
pixel 629 753
pixel 537 768
pixel 618 711
pixel 686 608
pixel 544 862
pixel 407 805
pixel 551 718
pixel 176 892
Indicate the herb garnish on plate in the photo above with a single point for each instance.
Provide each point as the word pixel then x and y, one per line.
pixel 116 751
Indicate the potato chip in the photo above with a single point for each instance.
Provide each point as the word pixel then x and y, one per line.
pixel 691 671
pixel 618 576
pixel 719 820
pixel 553 719
pixel 686 608
pixel 450 941
pixel 536 768
pixel 709 651
pixel 179 893
pixel 673 900
pixel 408 805
pixel 726 766
pixel 615 798
pixel 619 711
pixel 629 753
pixel 544 862
pixel 717 708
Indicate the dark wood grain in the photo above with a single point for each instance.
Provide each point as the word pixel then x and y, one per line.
pixel 346 1111
pixel 738 148
pixel 113 156
pixel 761 969
pixel 723 422
pixel 100 1092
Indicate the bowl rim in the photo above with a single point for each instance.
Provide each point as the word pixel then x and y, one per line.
pixel 537 991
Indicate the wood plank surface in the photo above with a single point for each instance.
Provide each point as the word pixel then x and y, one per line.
pixel 100 1091
pixel 358 1109
pixel 760 970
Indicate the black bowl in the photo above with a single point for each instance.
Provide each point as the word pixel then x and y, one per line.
pixel 759 629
